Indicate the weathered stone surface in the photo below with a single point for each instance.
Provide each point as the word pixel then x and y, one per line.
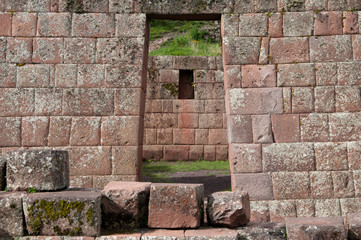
pixel 353 222
pixel 240 50
pixel 354 154
pixel 34 131
pixel 321 185
pixel 331 156
pixel 211 233
pixel 350 206
pixel 286 128
pixel 239 129
pixel 343 184
pixel 348 99
pixel 228 209
pixel 279 210
pixel 325 99
pixel 345 126
pixel 10 133
pixel 302 100
pixel 326 73
pixel 253 231
pixel 260 212
pixel 296 24
pixel 258 76
pixel 289 50
pixel 125 205
pixel 327 23
pixel 315 228
pixel 176 206
pixel 331 48
pixel 44 170
pixel 252 25
pixel 63 213
pixel 262 129
pixel 314 128
pixel 296 75
pixel 349 73
pixel 2 173
pixel 245 158
pixel 291 185
pixel 11 215
pixel 305 208
pixel 54 24
pixel 258 185
pixel 327 207
pixel 288 157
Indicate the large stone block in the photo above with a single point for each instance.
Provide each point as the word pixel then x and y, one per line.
pixel 245 158
pixel 10 133
pixel 241 50
pixel 331 156
pixel 253 25
pixel 125 205
pixel 296 75
pixel 239 129
pixel 289 50
pixel 331 48
pixel 286 128
pixel 315 228
pixel 279 210
pixel 63 213
pixel 2 173
pixel 345 126
pixel 291 185
pixel 297 24
pixel 11 215
pixel 93 25
pixel 54 24
pixel 328 23
pixel 228 209
pixel 176 206
pixel 258 185
pixel 44 170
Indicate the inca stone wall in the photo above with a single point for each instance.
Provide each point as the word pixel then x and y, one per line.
pixel 185 129
pixel 73 77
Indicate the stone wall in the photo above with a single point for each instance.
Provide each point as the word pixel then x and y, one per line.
pixel 73 76
pixel 185 129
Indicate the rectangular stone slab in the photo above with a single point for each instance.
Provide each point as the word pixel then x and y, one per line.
pixel 11 215
pixel 44 170
pixel 176 205
pixel 75 213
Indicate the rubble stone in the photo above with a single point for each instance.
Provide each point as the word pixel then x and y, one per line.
pixel 175 206
pixel 228 209
pixel 125 205
pixel 44 170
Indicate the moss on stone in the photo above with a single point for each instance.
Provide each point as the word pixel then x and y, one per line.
pixel 74 6
pixel 172 88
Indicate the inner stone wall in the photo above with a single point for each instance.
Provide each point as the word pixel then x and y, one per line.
pixel 185 129
pixel 73 77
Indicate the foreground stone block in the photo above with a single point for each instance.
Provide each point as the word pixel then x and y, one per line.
pixel 211 234
pixel 274 231
pixel 228 209
pixel 354 226
pixel 2 173
pixel 315 228
pixel 63 213
pixel 44 170
pixel 175 205
pixel 125 205
pixel 11 215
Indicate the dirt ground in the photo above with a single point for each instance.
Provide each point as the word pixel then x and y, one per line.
pixel 213 181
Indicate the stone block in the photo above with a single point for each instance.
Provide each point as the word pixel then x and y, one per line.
pixel 89 161
pixel 221 152
pixel 343 184
pixel 59 131
pixel 287 100
pixel 176 206
pixel 296 75
pixel 79 50
pixel 214 106
pixel 348 99
pixel 321 185
pixel 314 128
pixel 210 120
pixel 260 212
pixel 230 25
pixel 263 231
pixel 324 99
pixel 121 6
pixel 131 76
pixel 31 6
pixel 357 182
pixel 154 152
pixel 130 25
pixel 24 171
pixel 284 5
pixel 275 25
pixel 165 136
pixel 90 76
pixel 245 158
pixel 240 50
pixel 350 206
pixel 232 76
pixel 254 101
pixel 3 43
pixel 211 233
pixel 286 128
pixel 264 51
pixel 296 24
pixel 93 25
pixel 289 50
pixel 345 126
pixel 176 153
pixel 354 154
pixel 196 152
pixel 353 225
pixel 10 133
pixel 291 185
pixel 125 205
pixel 350 22
pixel 88 102
pixel 34 131
pixel 279 210
pixel 24 24
pixel 81 182
pixel 258 76
pixel 349 73
pixel 288 157
pixel 210 153
pixel 183 136
pixel 305 208
pixel 54 24
pixel 190 62
pixel 331 156
pixel 172 76
pixel 326 74
pixel 16 102
pixel 201 136
pixel 217 136
pixel 228 209
pixel 253 25
pixel 75 213
pixel 84 6
pixel 312 228
pixel 19 50
pixel 327 207
pixel 328 23
pixel 11 215
pixel 2 173
pixel 188 106
pixel 331 48
pixel 262 129
pixel 33 75
pixel 188 120
pixel 258 185
pixel 85 131
pixel 5 29
pixel 356 46
pixel 239 129
pixel 302 100
pixel 65 75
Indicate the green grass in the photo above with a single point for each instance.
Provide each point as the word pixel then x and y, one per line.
pixel 190 40
pixel 159 171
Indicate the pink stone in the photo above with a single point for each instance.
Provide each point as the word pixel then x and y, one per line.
pixel 289 50
pixel 286 128
pixel 331 48
pixel 258 76
pixel 24 24
pixel 291 185
pixel 328 23
pixel 279 210
pixel 245 158
pixel 350 23
pixel 258 185
pixel 275 25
